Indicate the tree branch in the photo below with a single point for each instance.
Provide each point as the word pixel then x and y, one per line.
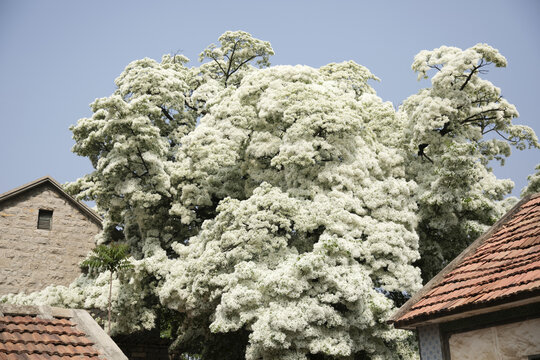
pixel 217 62
pixel 140 154
pixel 134 173
pixel 191 107
pixel 504 137
pixel 484 132
pixel 244 62
pixel 142 159
pixel 446 128
pixel 166 113
pixel 421 152
pixel 474 117
pixel 473 71
pixel 230 63
pixel 468 77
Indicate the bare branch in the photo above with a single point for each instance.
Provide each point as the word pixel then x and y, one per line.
pixel 142 159
pixel 475 117
pixel 243 62
pixel 133 172
pixel 191 107
pixel 505 138
pixel 140 155
pixel 166 113
pixel 473 71
pixel 484 132
pixel 468 78
pixel 227 74
pixel 217 62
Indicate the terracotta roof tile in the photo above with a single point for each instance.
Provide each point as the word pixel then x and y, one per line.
pixel 42 357
pixel 31 337
pixel 506 264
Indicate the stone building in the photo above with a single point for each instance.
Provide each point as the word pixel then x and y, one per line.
pixel 44 235
pixel 486 303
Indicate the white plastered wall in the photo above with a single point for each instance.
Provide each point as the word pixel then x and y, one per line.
pixel 514 341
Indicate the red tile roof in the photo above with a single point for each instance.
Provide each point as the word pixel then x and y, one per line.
pixel 31 337
pixel 50 333
pixel 502 266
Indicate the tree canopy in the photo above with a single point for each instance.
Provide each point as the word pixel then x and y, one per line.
pixel 285 212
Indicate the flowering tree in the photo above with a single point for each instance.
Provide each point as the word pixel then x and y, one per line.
pixel 534 183
pixel 281 211
pixel 459 197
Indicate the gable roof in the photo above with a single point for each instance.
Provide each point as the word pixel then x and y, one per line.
pixel 501 268
pixel 35 333
pixel 50 181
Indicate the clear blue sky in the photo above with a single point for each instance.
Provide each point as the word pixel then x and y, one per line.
pixel 56 57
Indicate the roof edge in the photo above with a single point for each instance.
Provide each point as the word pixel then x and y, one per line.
pixel 453 264
pixel 48 179
pixel 101 339
pixel 471 310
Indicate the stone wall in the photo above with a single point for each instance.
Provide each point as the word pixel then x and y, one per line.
pixel 32 258
pixel 514 341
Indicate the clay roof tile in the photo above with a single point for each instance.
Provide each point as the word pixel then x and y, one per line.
pixel 29 336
